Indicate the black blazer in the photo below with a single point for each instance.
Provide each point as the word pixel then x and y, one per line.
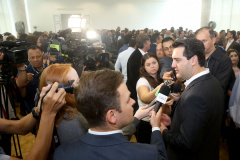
pixel 153 47
pixel 195 129
pixel 220 67
pixel 133 67
pixel 109 147
pixel 234 45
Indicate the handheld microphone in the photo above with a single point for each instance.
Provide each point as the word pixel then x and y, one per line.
pixel 176 87
pixel 162 97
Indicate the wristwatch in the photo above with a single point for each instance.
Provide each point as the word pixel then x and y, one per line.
pixel 19 69
pixel 35 114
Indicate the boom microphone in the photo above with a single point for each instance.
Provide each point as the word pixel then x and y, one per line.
pixel 162 97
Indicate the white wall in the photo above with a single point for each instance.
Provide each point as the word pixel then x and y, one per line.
pixel 226 14
pixel 5 19
pixel 108 14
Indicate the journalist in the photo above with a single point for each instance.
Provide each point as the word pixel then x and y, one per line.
pixel 51 104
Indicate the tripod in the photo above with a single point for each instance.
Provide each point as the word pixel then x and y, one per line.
pixel 9 90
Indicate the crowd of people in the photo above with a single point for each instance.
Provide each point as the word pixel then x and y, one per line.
pixel 109 106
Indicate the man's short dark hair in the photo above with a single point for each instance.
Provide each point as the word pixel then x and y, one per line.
pixel 233 33
pixel 22 36
pixel 33 47
pixel 132 42
pixel 192 47
pixel 167 39
pixel 127 38
pixel 141 40
pixel 211 31
pixel 155 37
pixel 222 41
pixel 97 93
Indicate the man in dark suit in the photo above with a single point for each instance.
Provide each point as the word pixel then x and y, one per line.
pixel 155 39
pixel 104 100
pixel 232 44
pixel 133 65
pixel 195 128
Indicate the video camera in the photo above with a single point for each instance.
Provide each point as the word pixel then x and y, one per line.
pixel 68 47
pixel 66 86
pixel 14 52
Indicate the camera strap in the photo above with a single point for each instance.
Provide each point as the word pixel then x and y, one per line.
pixel 56 139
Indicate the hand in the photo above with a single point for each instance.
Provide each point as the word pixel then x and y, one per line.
pixel 175 96
pixel 162 127
pixel 155 119
pixel 1 55
pixel 167 76
pixel 165 119
pixel 227 121
pixel 170 102
pixel 143 112
pixel 160 85
pixel 83 70
pixel 30 76
pixel 53 101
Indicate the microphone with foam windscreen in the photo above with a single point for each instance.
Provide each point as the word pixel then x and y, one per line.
pixel 162 97
pixel 176 87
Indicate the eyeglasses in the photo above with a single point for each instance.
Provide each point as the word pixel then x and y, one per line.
pixel 167 48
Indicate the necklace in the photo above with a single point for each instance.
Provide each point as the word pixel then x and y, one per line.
pixel 36 70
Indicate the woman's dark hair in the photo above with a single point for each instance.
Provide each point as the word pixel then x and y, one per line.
pixel 232 50
pixel 143 72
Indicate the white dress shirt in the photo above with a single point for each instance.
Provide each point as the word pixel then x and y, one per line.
pixel 143 53
pixel 196 76
pixel 228 44
pixel 104 133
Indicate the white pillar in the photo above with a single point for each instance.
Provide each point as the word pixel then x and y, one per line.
pixel 206 12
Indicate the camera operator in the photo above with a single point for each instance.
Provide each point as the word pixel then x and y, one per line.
pixel 51 104
pixel 28 76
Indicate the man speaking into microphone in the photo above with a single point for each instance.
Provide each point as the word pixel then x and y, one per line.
pixel 195 127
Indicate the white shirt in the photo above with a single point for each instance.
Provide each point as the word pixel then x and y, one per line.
pixel 196 76
pixel 104 133
pixel 228 44
pixel 142 51
pixel 114 132
pixel 143 82
pixel 121 63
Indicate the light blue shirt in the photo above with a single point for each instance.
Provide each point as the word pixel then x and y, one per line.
pixel 121 63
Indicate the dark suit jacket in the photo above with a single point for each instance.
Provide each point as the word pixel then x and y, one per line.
pixel 153 47
pixel 220 67
pixel 109 147
pixel 195 129
pixel 234 45
pixel 133 66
